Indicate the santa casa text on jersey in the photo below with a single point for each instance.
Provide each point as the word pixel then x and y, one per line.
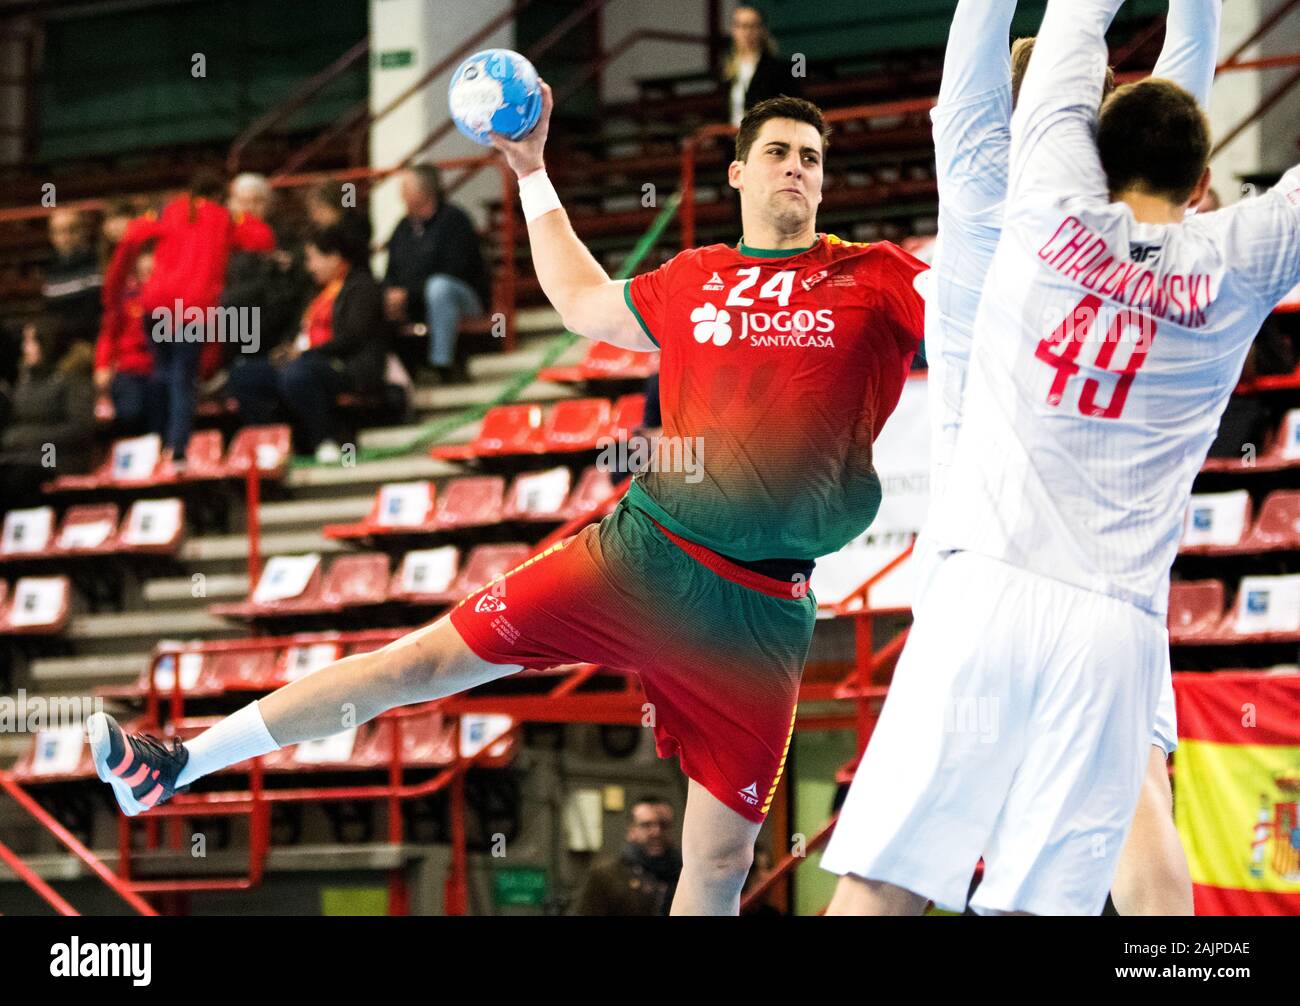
pixel 1079 254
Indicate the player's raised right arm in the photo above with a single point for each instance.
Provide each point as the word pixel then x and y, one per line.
pixel 590 303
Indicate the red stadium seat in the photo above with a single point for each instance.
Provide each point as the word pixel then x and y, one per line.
pixel 399 508
pixel 428 740
pixel 538 496
pixel 133 461
pixel 240 670
pixel 486 562
pixel 1278 526
pixel 152 527
pixel 629 416
pixel 594 486
pixel 427 576
pixel 57 755
pixel 27 533
pixel 506 429
pixel 289 585
pixel 356 580
pixel 87 530
pixel 577 425
pixel 203 455
pixel 1195 608
pixel 605 361
pixel 38 606
pixel 267 447
pixel 472 501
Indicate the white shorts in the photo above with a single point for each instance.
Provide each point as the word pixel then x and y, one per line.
pixel 1017 727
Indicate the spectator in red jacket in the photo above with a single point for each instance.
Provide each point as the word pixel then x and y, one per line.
pixel 123 362
pixel 195 235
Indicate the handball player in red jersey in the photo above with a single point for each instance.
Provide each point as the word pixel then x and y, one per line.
pixel 781 358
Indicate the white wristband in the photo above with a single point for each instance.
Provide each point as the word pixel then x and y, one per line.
pixel 537 195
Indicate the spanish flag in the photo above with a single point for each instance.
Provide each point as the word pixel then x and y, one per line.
pixel 1237 790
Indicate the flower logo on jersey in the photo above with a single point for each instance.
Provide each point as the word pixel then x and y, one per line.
pixel 711 325
pixel 489 604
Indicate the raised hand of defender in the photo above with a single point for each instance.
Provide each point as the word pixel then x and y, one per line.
pixel 525 156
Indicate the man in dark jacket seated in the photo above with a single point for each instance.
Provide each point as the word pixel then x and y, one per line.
pixel 435 270
pixel 342 346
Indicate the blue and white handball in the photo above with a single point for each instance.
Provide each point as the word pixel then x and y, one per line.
pixel 495 91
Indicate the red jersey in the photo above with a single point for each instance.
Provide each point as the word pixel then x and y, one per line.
pixel 777 371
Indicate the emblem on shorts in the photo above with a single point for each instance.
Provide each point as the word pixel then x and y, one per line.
pixel 488 603
pixel 750 793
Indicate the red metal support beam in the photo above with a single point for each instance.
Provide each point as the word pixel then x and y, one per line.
pixel 33 880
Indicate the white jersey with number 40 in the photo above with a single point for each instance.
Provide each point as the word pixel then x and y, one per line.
pixel 1105 349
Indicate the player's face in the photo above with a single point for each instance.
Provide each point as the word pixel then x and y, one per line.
pixel 782 179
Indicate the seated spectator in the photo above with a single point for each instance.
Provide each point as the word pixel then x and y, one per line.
pixel 72 279
pixel 336 203
pixel 51 424
pixel 342 346
pixel 436 273
pixel 124 364
pixel 643 879
pixel 753 71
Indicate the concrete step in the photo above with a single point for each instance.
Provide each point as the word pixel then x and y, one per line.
pixel 179 590
pixel 306 513
pixel 150 625
pixel 51 672
pixel 234 547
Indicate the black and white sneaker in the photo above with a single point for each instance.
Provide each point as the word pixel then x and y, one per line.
pixel 142 770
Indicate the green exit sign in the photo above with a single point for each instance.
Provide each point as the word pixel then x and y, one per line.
pixel 515 886
pixel 395 59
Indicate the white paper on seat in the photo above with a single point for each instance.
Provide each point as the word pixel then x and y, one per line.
pixel 1268 604
pixel 268 457
pixel 152 522
pixel 1216 518
pixel 300 661
pixel 429 571
pixel 164 674
pixel 88 535
pixel 1291 435
pixel 37 600
pixel 135 458
pixel 58 751
pixel 404 504
pixel 27 530
pixel 542 492
pixel 478 730
pixel 285 576
pixel 335 748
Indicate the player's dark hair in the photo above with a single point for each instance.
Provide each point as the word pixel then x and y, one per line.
pixel 1021 50
pixel 1153 138
pixel 780 107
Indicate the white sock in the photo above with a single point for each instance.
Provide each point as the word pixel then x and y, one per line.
pixel 239 736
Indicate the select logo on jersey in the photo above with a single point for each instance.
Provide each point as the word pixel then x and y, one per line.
pixel 489 604
pixel 750 793
pixel 715 284
pixel 711 325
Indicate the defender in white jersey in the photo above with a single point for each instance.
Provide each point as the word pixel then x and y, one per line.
pixel 1109 336
pixel 972 137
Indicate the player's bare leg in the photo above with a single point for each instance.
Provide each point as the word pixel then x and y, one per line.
pixel 856 896
pixel 430 663
pixel 717 851
pixel 1152 877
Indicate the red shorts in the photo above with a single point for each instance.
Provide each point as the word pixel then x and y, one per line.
pixel 719 649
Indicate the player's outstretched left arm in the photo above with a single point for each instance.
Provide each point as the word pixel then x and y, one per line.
pixel 1191 46
pixel 1053 150
pixel 589 302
